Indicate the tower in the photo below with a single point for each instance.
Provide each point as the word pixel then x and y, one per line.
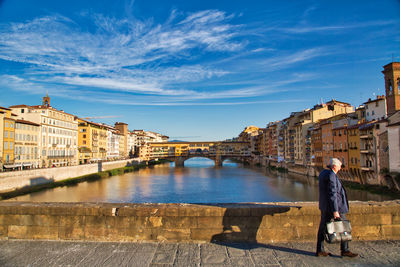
pixel 46 101
pixel 391 73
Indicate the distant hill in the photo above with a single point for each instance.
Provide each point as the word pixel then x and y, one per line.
pixel 175 141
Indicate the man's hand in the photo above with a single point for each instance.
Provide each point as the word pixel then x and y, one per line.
pixel 336 215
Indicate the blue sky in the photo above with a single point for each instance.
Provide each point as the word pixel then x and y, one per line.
pixel 194 70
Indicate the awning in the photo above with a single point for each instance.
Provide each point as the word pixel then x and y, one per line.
pixel 12 166
pixel 26 164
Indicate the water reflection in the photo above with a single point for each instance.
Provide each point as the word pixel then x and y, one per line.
pixel 198 182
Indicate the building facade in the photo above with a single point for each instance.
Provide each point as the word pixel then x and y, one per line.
pixel 27 137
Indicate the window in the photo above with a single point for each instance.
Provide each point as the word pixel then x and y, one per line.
pixel 11 134
pixel 22 110
pixel 377 103
pixel 373 113
pixel 5 134
pixel 5 145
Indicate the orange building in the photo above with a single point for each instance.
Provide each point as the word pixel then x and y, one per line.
pixel 340 146
pixel 316 146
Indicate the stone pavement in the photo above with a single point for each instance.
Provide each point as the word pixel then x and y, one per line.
pixel 63 253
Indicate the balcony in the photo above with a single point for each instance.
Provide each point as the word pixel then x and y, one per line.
pixel 366 169
pixel 60 157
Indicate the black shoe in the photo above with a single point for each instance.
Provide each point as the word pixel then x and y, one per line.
pixel 348 254
pixel 322 254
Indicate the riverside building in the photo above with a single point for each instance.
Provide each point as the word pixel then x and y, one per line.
pixel 27 136
pixel 7 133
pixel 58 144
pixel 92 141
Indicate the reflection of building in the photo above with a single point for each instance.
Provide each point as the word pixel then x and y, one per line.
pixel 27 136
pixel 58 133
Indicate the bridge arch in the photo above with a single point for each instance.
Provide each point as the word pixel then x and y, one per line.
pixel 180 161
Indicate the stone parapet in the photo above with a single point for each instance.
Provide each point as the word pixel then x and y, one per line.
pixel 247 222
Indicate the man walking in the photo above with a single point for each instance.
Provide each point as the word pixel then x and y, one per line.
pixel 333 203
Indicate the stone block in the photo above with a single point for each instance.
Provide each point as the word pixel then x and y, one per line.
pixel 269 210
pixel 3 231
pixel 18 219
pixel 306 233
pixel 370 219
pixel 42 232
pixel 45 220
pixel 71 232
pixel 175 235
pixel 204 234
pixel 76 221
pixel 100 233
pixel 17 231
pixel 277 235
pixel 190 210
pixel 179 222
pixel 270 221
pixel 33 232
pixel 391 231
pixel 366 232
pixel 209 222
pixel 360 209
pixel 396 219
pixel 99 221
pixel 140 234
pixel 242 222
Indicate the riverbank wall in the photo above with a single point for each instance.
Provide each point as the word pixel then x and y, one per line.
pixel 12 181
pixel 243 222
pixel 382 179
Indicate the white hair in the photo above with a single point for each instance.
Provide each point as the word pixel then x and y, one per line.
pixel 335 161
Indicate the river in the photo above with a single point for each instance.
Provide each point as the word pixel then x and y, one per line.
pixel 198 182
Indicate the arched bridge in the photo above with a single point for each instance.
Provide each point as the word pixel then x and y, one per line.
pixel 181 151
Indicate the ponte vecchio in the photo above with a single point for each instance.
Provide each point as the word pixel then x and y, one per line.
pixel 218 151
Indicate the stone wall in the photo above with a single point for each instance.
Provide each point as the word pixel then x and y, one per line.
pixel 263 223
pixel 10 181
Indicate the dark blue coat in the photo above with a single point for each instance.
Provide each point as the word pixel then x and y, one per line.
pixel 332 195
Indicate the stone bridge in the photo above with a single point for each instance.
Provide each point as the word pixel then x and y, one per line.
pixel 182 151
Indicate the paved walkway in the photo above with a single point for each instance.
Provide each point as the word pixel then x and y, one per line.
pixel 61 253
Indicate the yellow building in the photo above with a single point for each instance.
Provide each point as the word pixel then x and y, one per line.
pixel 8 135
pixel 92 141
pixel 27 137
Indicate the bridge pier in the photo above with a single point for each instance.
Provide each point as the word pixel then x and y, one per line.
pixel 179 162
pixel 218 161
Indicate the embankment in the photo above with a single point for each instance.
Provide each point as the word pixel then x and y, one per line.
pixel 20 182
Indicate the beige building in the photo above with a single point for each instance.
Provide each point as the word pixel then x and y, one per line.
pixel 58 133
pixel 394 142
pixel 375 109
pixel 27 137
pixel 123 129
pixel 298 137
